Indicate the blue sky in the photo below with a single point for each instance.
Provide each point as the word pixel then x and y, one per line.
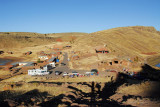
pixel 56 16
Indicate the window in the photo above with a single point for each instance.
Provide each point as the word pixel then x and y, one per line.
pixel 116 62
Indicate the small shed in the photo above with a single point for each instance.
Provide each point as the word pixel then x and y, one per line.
pixel 10 52
pixel 27 53
pixel 22 64
pixel 1 52
pixel 101 49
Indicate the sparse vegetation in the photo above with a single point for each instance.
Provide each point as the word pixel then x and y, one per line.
pixel 25 39
pixel 116 88
pixel 124 40
pixel 38 61
pixel 136 59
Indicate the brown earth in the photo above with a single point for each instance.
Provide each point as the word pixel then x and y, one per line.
pixel 23 90
pixel 123 40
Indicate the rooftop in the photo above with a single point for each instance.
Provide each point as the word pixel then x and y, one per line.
pixel 51 59
pixel 27 63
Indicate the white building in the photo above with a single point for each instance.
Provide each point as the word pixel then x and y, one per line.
pixel 52 64
pixel 43 57
pixel 38 72
pixel 43 71
pixel 22 63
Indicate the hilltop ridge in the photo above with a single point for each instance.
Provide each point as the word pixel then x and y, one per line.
pixel 134 40
pixel 27 39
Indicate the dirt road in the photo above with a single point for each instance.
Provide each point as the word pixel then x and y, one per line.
pixel 63 67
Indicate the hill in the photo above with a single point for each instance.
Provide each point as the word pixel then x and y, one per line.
pixel 66 34
pixel 135 40
pixel 26 39
pixel 22 39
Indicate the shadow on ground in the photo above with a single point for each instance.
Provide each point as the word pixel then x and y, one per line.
pixel 97 96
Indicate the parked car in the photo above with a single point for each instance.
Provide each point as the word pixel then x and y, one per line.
pixel 58 72
pixel 63 64
pixel 113 71
pixel 110 70
pixel 75 73
pixel 94 71
pixel 65 74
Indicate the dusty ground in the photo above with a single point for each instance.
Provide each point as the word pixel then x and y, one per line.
pixel 24 90
pixel 73 92
pixel 18 53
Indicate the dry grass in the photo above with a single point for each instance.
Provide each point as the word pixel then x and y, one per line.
pixel 67 34
pixel 51 90
pixel 20 90
pixel 7 43
pixel 82 79
pixel 3 72
pixel 142 89
pixel 27 78
pixel 54 90
pixel 11 40
pixel 153 60
pixel 121 42
pixel 130 41
pixel 92 59
pixel 20 78
pixel 18 52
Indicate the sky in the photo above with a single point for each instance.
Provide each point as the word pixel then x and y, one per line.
pixel 56 16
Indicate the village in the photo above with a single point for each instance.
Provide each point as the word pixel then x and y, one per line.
pixel 60 69
pixel 79 53
pixel 62 61
pixel 75 71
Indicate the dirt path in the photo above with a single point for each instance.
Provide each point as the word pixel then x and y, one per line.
pixel 64 67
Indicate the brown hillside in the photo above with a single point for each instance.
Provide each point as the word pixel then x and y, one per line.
pixel 26 39
pixel 134 40
pixel 66 34
pixel 22 39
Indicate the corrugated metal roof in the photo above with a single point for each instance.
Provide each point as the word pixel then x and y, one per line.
pixel 51 59
pixel 158 65
pixel 28 63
